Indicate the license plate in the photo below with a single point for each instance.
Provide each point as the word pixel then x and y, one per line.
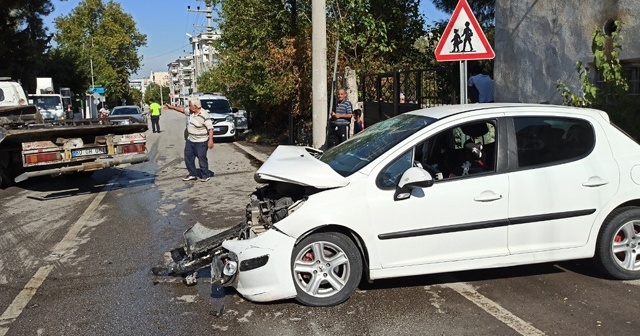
pixel 217 129
pixel 88 151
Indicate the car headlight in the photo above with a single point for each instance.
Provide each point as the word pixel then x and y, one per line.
pixel 230 268
pixel 230 118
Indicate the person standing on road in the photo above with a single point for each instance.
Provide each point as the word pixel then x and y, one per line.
pixel 155 115
pixel 480 86
pixel 341 117
pixel 199 139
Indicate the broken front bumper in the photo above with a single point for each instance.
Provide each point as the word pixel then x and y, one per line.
pixel 262 270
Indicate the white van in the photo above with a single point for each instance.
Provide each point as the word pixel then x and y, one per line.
pixel 11 93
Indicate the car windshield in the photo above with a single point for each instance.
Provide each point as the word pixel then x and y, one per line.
pixel 125 111
pixel 47 102
pixel 372 142
pixel 220 106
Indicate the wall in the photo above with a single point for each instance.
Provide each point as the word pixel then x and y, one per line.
pixel 538 42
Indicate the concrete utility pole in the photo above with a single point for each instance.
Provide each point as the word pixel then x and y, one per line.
pixel 208 37
pixel 319 69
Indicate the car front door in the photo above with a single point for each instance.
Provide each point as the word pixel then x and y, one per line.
pixel 564 173
pixel 458 218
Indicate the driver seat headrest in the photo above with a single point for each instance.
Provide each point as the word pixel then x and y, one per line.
pixel 475 130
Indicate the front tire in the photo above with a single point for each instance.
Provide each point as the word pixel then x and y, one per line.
pixel 618 246
pixel 326 269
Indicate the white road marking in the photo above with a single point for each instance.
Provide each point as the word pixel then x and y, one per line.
pixel 22 300
pixel 519 325
pixel 632 282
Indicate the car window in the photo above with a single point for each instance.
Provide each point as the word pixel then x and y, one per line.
pixel 125 111
pixel 390 175
pixel 220 106
pixel 462 150
pixel 551 140
pixel 456 152
pixel 47 102
pixel 373 141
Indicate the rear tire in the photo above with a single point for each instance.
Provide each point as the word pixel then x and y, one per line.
pixel 618 245
pixel 326 269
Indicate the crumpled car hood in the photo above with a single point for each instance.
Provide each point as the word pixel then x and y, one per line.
pixel 293 164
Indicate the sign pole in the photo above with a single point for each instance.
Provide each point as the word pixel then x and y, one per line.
pixel 463 40
pixel 463 82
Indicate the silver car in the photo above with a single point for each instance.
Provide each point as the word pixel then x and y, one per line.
pixel 127 114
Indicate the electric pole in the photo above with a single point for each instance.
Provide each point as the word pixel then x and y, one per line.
pixel 208 37
pixel 319 69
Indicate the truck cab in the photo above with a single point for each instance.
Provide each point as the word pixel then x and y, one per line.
pixel 49 104
pixel 11 93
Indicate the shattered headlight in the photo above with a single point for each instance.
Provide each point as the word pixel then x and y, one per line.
pixel 230 268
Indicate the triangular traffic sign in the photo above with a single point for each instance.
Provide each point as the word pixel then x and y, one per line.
pixel 463 38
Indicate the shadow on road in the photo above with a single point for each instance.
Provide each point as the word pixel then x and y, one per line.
pixel 73 185
pixel 584 267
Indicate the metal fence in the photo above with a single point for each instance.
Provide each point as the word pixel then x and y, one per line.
pixel 421 88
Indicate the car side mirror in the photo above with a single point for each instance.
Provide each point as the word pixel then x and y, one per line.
pixel 413 178
pixel 234 110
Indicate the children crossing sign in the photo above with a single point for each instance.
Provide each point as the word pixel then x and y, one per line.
pixel 463 38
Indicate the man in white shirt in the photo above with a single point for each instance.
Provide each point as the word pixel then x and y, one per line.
pixel 199 139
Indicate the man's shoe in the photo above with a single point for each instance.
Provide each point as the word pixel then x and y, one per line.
pixel 206 179
pixel 190 178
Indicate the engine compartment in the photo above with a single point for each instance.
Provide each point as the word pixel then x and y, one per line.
pixel 271 203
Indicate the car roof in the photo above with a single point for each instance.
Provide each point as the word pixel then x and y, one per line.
pixel 211 96
pixel 440 112
pixel 126 106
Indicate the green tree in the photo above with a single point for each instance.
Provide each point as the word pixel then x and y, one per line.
pixel 484 10
pixel 23 39
pixel 610 92
pixel 101 35
pixel 153 91
pixel 265 49
pixel 134 97
pixel 210 81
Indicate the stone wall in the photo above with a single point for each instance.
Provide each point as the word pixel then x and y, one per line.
pixel 538 42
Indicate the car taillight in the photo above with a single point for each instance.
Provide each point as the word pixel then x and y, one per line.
pixel 134 148
pixel 40 157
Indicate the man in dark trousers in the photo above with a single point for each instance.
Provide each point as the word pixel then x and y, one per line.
pixel 341 117
pixel 154 109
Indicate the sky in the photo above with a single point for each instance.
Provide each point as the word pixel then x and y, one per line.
pixel 167 23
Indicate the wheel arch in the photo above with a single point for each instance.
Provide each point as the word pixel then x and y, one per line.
pixel 600 225
pixel 362 247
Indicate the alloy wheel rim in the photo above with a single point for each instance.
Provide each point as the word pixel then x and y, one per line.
pixel 321 269
pixel 625 246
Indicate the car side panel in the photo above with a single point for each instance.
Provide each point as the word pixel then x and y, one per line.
pixel 555 206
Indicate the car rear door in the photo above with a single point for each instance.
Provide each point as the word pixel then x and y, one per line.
pixel 563 174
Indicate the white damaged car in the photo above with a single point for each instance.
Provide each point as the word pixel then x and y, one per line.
pixel 444 189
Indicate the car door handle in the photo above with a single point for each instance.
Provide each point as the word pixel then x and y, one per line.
pixel 487 196
pixel 595 182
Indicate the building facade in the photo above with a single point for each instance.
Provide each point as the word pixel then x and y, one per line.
pixel 538 43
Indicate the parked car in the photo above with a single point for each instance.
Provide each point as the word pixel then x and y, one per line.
pixel 444 189
pixel 221 114
pixel 127 114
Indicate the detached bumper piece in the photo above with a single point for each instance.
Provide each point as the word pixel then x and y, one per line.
pixel 202 246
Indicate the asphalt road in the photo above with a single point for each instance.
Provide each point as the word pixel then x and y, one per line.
pixel 76 256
